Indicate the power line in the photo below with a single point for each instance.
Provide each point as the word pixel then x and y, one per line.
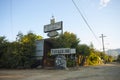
pixel 11 18
pixel 85 20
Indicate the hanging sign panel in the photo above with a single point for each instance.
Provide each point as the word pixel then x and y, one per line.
pixel 53 27
pixel 52 33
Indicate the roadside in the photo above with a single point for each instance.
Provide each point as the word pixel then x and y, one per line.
pixel 109 71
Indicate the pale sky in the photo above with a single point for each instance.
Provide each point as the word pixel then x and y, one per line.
pixel 31 15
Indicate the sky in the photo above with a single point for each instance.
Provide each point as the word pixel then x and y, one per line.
pixel 103 16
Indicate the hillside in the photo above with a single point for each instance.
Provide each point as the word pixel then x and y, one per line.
pixel 113 52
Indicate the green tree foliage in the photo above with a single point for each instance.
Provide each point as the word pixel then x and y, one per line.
pixel 19 53
pixel 27 47
pixel 3 42
pixel 67 40
pixel 83 50
pixel 3 49
pixel 29 38
pixel 110 58
pixel 90 56
pixel 106 58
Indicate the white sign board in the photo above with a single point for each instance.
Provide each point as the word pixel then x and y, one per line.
pixel 63 51
pixel 53 27
pixel 72 51
pixel 39 47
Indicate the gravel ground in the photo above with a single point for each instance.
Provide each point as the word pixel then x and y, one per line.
pixel 101 72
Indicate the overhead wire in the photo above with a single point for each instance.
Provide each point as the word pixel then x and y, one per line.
pixel 11 18
pixel 85 20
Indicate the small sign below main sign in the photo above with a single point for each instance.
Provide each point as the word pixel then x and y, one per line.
pixel 52 34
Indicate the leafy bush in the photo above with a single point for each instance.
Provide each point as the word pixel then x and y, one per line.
pixel 93 59
pixel 19 53
pixel 71 63
pixel 118 58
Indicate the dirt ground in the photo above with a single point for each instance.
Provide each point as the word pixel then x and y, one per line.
pixel 102 72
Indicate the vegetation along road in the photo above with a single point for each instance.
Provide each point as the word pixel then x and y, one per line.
pixel 103 72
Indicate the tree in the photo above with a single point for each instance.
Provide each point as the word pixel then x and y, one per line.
pixel 19 36
pixel 2 45
pixel 110 58
pixel 19 53
pixel 83 52
pixel 28 38
pixel 27 48
pixel 66 40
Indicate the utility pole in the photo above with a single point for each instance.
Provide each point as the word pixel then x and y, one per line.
pixel 102 36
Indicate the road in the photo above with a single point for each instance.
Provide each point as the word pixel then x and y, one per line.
pixel 101 72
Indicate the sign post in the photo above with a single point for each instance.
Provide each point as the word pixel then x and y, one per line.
pixel 53 27
pixel 60 53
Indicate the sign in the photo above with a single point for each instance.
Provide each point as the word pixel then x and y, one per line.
pixel 52 34
pixel 39 47
pixel 73 50
pixel 63 51
pixel 53 27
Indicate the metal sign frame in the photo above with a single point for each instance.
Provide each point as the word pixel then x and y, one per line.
pixel 53 27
